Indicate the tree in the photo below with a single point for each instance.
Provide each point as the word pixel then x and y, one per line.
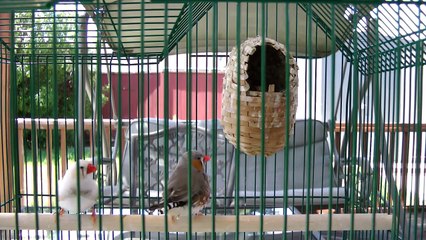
pixel 45 43
pixel 35 63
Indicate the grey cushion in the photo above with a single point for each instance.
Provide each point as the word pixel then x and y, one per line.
pixel 307 147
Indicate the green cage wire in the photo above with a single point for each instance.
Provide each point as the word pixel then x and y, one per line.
pixel 131 85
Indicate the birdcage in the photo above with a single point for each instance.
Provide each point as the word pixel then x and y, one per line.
pixel 130 86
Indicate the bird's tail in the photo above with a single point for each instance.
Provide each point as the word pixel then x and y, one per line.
pixel 161 209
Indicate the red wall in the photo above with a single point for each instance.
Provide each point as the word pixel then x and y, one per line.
pixel 153 96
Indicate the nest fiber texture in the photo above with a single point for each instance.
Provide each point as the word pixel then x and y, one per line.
pixel 250 94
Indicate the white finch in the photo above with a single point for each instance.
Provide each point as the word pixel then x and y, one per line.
pixel 177 190
pixel 67 188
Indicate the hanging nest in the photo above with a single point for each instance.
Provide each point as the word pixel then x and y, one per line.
pixel 250 96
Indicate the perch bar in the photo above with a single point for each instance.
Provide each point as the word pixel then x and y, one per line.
pixel 317 222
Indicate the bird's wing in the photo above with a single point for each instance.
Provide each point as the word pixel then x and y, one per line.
pixel 67 185
pixel 177 190
pixel 201 189
pixel 89 193
pixel 65 190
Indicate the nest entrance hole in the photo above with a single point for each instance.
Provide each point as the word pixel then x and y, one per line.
pixel 275 69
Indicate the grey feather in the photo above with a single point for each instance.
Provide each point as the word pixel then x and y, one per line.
pixel 177 190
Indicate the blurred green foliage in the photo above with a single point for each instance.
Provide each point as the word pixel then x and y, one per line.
pixel 48 62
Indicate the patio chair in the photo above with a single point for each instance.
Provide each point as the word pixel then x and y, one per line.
pixel 302 150
pixel 152 134
pixel 308 146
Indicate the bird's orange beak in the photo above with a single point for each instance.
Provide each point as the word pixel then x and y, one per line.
pixel 206 158
pixel 91 168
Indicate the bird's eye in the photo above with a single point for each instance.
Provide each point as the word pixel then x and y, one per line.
pixel 81 167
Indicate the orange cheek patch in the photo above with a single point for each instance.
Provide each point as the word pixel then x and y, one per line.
pixel 197 165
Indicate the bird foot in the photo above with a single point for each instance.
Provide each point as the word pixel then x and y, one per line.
pixel 61 211
pixel 198 214
pixel 93 216
pixel 175 218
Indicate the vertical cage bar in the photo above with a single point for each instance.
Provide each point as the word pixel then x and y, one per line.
pixel 100 123
pixel 418 132
pixel 332 120
pixel 397 203
pixel 120 51
pixel 141 115
pixel 34 142
pixel 353 126
pixel 309 130
pixel 378 123
pixel 263 112
pixel 166 122
pixel 13 126
pixel 188 114
pixel 238 131
pixel 55 114
pixel 77 118
pixel 214 118
pixel 287 119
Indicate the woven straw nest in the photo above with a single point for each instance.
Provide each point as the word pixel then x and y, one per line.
pixel 250 96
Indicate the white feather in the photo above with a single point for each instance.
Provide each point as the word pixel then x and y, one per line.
pixel 67 189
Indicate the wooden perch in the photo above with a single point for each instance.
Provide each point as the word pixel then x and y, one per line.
pixel 248 223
